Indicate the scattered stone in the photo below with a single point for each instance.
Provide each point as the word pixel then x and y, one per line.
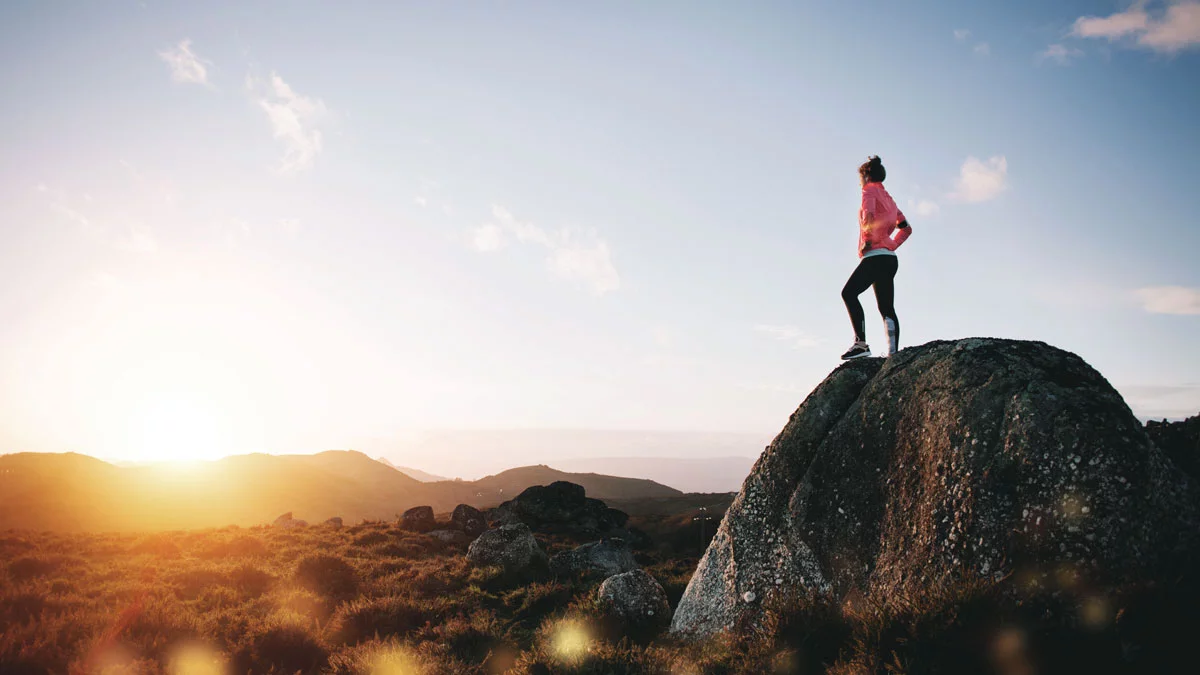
pixel 560 508
pixel 418 519
pixel 286 521
pixel 637 600
pixel 468 519
pixel 509 546
pixel 607 556
pixel 451 537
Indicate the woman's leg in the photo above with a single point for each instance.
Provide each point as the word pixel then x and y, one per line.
pixel 885 297
pixel 858 282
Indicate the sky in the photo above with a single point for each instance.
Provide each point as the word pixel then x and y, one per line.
pixel 234 227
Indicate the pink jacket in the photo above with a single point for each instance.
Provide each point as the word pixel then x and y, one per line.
pixel 877 221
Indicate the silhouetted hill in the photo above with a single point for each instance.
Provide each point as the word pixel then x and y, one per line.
pixel 423 476
pixel 702 474
pixel 508 484
pixel 75 492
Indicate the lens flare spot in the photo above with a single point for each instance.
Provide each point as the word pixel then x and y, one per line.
pixel 571 641
pixel 196 659
pixel 394 661
pixel 1095 612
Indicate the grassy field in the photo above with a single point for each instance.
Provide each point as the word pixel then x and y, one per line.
pixel 377 600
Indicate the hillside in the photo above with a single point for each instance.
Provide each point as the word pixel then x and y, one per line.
pixel 73 492
pixel 423 476
pixel 508 484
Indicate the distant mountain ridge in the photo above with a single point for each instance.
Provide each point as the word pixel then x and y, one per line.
pixel 420 475
pixel 73 492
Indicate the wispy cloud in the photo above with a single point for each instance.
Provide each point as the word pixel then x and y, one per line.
pixel 1060 54
pixel 487 237
pixel 294 121
pixel 577 255
pixel 961 34
pixel 980 181
pixel 1169 26
pixel 924 207
pixel 185 65
pixel 798 338
pixel 1169 299
pixel 983 49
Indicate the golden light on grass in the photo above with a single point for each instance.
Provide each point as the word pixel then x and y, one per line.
pixel 196 659
pixel 394 661
pixel 570 641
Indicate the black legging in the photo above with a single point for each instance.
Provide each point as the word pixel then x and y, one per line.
pixel 878 271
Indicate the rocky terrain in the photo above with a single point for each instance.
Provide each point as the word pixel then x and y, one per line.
pixel 979 506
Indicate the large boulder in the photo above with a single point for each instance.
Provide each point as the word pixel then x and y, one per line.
pixel 509 546
pixel 1181 442
pixel 468 519
pixel 946 463
pixel 637 600
pixel 334 522
pixel 418 519
pixel 560 508
pixel 607 557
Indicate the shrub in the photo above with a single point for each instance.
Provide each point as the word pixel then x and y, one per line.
pixel 250 581
pixel 370 538
pixel 327 575
pixel 23 569
pixel 156 545
pixel 281 649
pixel 239 547
pixel 393 615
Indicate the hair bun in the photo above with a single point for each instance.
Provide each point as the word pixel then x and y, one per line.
pixel 874 160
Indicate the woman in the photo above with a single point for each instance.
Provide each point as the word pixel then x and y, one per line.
pixel 881 230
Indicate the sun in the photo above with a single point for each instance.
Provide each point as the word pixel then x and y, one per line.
pixel 176 427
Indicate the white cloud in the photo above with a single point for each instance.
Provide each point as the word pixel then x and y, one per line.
pixel 185 65
pixel 983 49
pixel 793 334
pixel 1169 299
pixel 421 201
pixel 961 34
pixel 578 255
pixel 1169 30
pixel 979 181
pixel 294 121
pixel 487 237
pixel 1059 54
pixel 924 207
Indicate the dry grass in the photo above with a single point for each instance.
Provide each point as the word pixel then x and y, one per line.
pixel 370 598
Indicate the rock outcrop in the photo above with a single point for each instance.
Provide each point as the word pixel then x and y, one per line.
pixel 287 521
pixel 947 462
pixel 606 557
pixel 509 546
pixel 335 522
pixel 1181 442
pixel 561 508
pixel 637 600
pixel 468 519
pixel 418 519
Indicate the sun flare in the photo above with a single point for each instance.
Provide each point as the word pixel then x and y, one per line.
pixel 173 427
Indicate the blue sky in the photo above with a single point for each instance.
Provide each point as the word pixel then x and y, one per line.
pixel 285 226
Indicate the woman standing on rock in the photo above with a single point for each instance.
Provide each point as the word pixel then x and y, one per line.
pixel 881 230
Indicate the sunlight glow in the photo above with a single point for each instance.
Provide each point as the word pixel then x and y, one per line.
pixel 394 661
pixel 196 659
pixel 571 641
